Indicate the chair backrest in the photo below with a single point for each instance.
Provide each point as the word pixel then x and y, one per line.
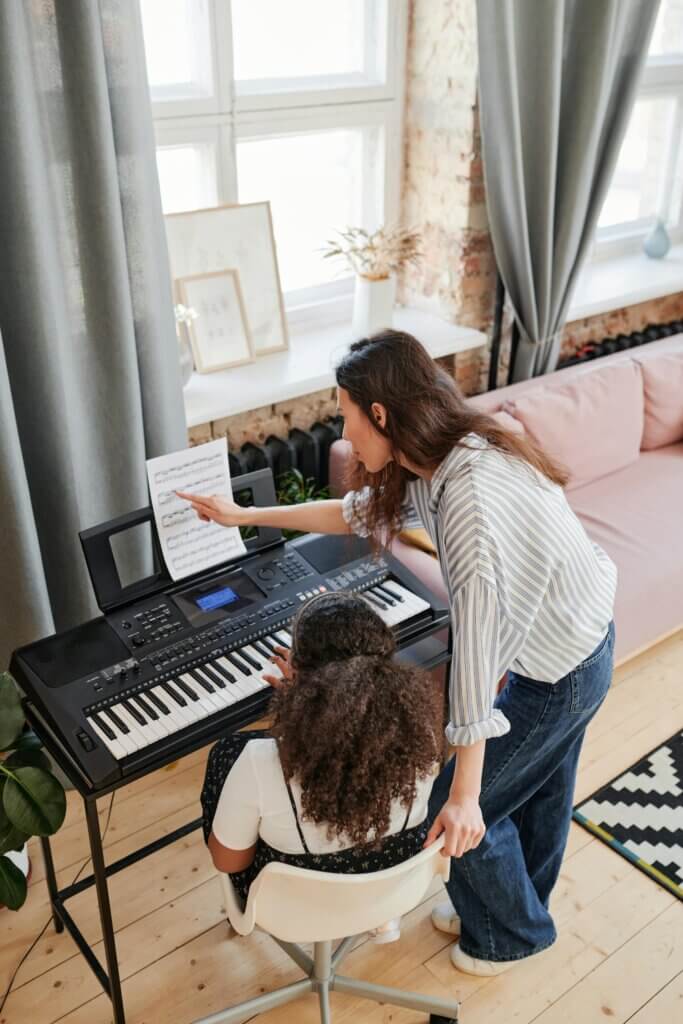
pixel 298 905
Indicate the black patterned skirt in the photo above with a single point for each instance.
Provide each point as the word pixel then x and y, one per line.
pixel 394 849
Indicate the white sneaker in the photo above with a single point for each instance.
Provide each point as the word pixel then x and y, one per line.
pixel 389 932
pixel 445 918
pixel 482 968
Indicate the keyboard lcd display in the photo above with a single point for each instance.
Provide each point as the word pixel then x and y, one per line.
pixel 216 599
pixel 226 596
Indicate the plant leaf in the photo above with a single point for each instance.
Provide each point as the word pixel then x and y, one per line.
pixel 29 757
pixel 11 838
pixel 11 712
pixel 34 801
pixel 12 884
pixel 28 741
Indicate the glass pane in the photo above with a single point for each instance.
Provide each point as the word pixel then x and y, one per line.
pixel 667 35
pixel 177 48
pixel 315 185
pixel 636 189
pixel 187 177
pixel 303 38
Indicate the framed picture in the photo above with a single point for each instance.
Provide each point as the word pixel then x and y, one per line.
pixel 206 241
pixel 220 335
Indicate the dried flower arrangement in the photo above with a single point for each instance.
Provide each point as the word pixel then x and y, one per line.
pixel 377 255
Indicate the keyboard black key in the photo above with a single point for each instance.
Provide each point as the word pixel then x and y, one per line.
pixel 204 683
pixel 384 595
pixel 262 649
pixel 132 710
pixel 118 722
pixel 374 600
pixel 104 726
pixel 186 688
pixel 175 694
pixel 270 643
pixel 146 706
pixel 222 671
pixel 240 665
pixel 214 676
pixel 394 593
pixel 156 699
pixel 251 660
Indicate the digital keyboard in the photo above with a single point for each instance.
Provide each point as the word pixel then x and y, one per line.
pixel 171 666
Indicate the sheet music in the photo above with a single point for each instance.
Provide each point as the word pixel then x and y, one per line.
pixel 188 544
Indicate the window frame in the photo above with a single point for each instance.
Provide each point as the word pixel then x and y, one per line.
pixel 662 78
pixel 229 114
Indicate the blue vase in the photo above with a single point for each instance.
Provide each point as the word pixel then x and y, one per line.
pixel 657 243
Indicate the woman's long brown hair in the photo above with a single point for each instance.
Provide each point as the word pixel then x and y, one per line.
pixel 426 418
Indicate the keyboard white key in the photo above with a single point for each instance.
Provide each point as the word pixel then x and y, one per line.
pixel 202 704
pixel 214 698
pixel 151 730
pixel 114 746
pixel 180 717
pixel 190 711
pixel 223 696
pixel 159 724
pixel 210 700
pixel 250 683
pixel 136 731
pixel 124 738
pixel 241 684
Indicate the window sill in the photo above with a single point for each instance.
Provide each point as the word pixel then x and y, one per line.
pixel 609 284
pixel 307 366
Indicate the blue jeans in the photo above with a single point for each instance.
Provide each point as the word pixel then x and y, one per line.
pixel 501 889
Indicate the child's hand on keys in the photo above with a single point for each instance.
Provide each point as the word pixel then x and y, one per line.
pixel 283 670
pixel 214 508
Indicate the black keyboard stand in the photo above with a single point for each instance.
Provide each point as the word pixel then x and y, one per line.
pixel 428 652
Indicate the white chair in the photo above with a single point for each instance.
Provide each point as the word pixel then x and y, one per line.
pixel 295 905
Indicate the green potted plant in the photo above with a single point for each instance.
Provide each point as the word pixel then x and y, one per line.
pixel 293 489
pixel 32 800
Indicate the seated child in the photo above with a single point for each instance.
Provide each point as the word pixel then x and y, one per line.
pixel 342 781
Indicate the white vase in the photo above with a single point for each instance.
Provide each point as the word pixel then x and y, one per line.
pixel 373 305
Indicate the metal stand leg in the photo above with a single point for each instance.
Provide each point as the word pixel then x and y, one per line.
pixel 51 879
pixel 95 838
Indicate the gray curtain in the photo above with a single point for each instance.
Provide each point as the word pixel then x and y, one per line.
pixel 557 81
pixel 89 374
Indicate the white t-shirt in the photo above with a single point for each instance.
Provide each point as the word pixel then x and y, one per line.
pixel 254 802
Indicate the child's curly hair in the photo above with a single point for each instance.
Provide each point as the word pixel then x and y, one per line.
pixel 356 728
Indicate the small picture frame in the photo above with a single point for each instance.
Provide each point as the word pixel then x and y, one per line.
pixel 219 336
pixel 239 236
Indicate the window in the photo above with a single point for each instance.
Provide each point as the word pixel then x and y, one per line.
pixel 297 102
pixel 648 179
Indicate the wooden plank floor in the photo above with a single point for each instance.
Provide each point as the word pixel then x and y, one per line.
pixel 619 956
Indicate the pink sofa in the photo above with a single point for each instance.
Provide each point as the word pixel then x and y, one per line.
pixel 617 425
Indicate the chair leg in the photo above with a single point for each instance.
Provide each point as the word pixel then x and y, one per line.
pixel 322 961
pixel 237 1014
pixel 342 949
pixel 410 1000
pixel 324 1000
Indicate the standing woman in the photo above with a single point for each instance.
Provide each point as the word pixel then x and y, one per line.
pixel 529 593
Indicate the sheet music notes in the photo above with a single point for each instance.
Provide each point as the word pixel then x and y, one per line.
pixel 188 544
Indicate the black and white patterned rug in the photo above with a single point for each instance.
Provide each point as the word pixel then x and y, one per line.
pixel 640 814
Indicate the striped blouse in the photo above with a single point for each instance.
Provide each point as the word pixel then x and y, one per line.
pixel 529 591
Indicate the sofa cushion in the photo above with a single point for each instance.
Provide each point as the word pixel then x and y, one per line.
pixel 663 391
pixel 592 425
pixel 635 515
